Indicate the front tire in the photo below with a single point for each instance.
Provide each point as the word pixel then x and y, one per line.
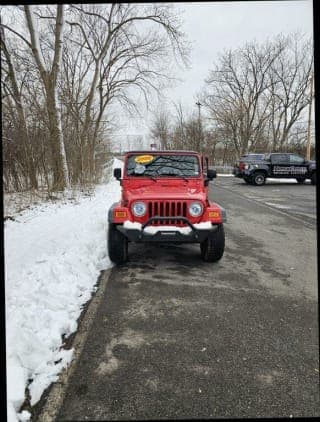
pixel 212 248
pixel 313 178
pixel 259 178
pixel 117 245
pixel 247 180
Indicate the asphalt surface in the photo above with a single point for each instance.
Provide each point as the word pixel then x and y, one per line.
pixel 174 337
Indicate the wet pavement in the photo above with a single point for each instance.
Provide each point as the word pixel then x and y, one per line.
pixel 174 337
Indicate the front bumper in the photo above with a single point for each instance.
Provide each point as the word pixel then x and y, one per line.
pixel 161 235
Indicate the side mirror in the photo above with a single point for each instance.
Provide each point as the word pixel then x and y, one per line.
pixel 117 173
pixel 211 174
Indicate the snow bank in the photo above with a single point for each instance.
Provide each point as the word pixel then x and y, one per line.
pixel 53 257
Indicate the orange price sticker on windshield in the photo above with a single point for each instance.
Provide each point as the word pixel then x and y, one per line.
pixel 144 159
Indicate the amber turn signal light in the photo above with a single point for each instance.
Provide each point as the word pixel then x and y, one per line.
pixel 214 214
pixel 121 214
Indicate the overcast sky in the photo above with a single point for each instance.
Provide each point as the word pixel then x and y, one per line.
pixel 214 26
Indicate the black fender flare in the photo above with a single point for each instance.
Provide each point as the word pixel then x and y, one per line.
pixel 110 212
pixel 264 170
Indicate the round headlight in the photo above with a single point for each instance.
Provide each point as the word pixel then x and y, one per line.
pixel 195 209
pixel 139 209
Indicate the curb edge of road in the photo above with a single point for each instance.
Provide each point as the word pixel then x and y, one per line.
pixel 56 394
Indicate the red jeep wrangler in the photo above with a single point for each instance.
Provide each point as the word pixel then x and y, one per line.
pixel 165 199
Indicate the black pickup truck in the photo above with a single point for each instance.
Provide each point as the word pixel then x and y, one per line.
pixel 280 166
pixel 243 160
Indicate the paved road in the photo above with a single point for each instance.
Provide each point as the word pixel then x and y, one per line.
pixel 174 337
pixel 291 198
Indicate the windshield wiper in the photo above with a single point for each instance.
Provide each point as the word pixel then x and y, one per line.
pixel 175 175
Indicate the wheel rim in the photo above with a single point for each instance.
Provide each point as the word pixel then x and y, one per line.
pixel 259 179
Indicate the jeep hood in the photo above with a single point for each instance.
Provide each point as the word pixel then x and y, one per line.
pixel 162 190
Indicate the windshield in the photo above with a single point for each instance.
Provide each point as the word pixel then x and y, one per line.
pixel 163 165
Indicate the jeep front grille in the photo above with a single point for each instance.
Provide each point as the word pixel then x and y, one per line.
pixel 168 209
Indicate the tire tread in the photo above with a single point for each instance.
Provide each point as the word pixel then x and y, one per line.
pixel 212 249
pixel 117 245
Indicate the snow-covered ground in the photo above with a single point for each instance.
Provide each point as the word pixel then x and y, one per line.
pixel 54 253
pixel 53 256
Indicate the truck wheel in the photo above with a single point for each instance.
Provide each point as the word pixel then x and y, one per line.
pixel 313 178
pixel 117 245
pixel 213 247
pixel 300 179
pixel 259 178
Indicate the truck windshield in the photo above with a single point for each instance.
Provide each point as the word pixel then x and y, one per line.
pixel 163 165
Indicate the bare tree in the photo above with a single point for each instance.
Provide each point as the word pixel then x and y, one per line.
pixel 160 130
pixel 235 89
pixel 49 76
pixel 260 90
pixel 289 79
pixel 76 64
pixel 126 57
pixel 11 87
pixel 109 54
pixel 179 133
pixel 212 138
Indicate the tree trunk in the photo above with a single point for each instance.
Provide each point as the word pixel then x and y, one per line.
pixel 31 168
pixel 59 161
pixel 49 79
